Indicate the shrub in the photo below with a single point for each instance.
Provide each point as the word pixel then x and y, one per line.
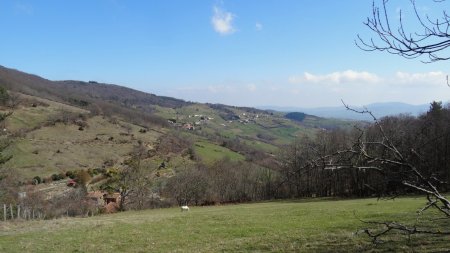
pixel 4 95
pixel 83 177
pixel 70 174
pixel 111 172
pixel 62 175
pixel 57 177
pixel 37 180
pixel 99 171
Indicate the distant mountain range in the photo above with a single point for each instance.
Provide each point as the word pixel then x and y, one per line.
pixel 340 112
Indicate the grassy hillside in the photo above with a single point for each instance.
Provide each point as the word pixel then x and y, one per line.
pixel 209 153
pixel 262 130
pixel 301 226
pixel 268 127
pixel 43 144
pixel 48 139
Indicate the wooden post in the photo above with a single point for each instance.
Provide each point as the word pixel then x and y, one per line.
pixel 33 214
pixel 12 212
pixel 4 212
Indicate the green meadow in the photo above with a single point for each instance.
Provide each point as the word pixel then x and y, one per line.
pixel 280 226
pixel 210 153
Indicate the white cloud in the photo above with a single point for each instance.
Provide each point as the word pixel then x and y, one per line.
pixel 435 78
pixel 258 26
pixel 414 79
pixel 336 77
pixel 222 21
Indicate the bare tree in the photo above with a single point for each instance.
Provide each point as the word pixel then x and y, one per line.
pixel 380 153
pixel 14 100
pixel 431 39
pixel 4 96
pixel 135 181
pixel 188 186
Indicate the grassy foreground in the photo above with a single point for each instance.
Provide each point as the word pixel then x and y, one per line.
pixel 294 226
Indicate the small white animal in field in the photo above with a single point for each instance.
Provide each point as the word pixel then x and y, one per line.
pixel 184 208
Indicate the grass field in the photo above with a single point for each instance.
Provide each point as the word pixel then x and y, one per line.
pixel 283 226
pixel 210 153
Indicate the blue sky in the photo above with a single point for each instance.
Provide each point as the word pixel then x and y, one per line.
pixel 252 53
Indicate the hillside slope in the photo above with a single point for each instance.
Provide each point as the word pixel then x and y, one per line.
pixel 50 137
pixel 67 125
pixel 81 93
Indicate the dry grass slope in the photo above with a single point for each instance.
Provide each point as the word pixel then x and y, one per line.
pixel 42 149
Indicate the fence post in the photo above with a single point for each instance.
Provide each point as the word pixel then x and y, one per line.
pixel 18 211
pixel 12 211
pixel 4 212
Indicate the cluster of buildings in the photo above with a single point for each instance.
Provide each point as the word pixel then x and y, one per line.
pixel 108 202
pixel 197 120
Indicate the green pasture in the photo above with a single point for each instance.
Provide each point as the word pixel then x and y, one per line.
pixel 210 153
pixel 281 226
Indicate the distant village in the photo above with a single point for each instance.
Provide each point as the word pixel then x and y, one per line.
pixel 198 120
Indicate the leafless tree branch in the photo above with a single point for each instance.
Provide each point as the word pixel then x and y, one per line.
pixel 361 155
pixel 387 227
pixel 432 41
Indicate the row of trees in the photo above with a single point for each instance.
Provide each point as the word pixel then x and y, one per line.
pixel 222 182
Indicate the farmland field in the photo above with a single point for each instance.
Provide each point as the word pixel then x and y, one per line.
pixel 293 226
